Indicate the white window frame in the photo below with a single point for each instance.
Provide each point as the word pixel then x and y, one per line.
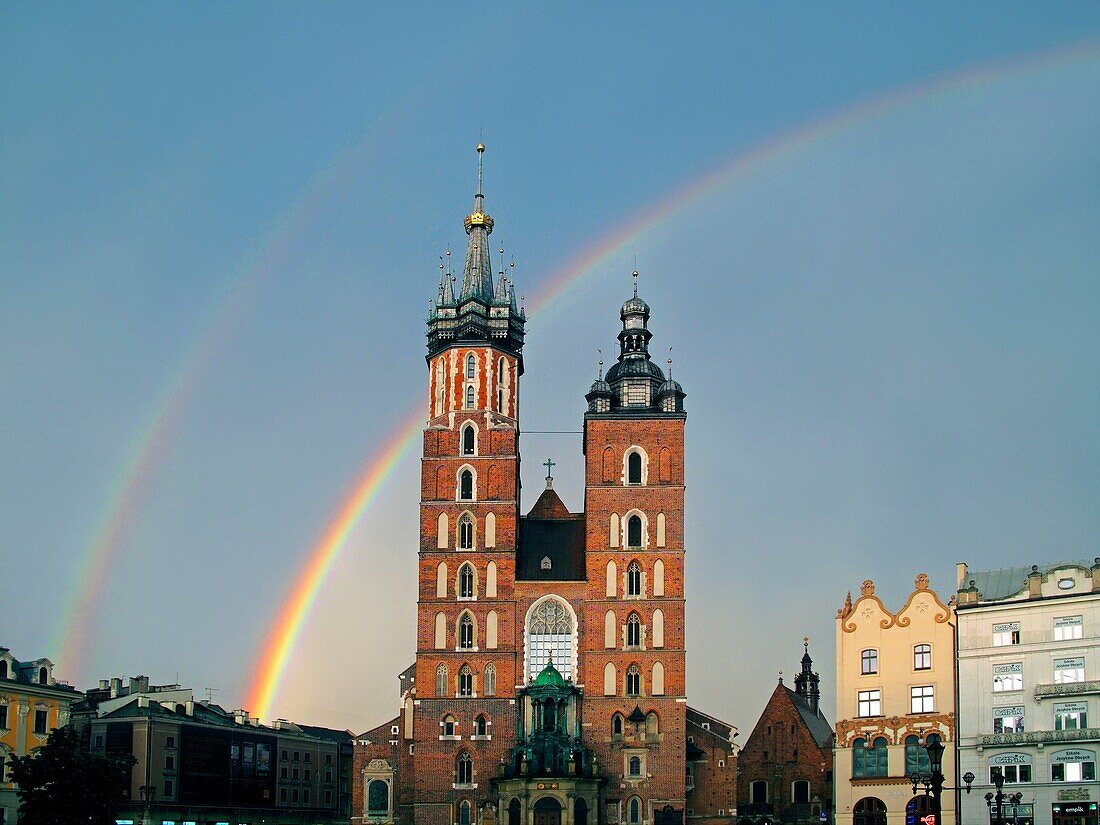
pixel 869 703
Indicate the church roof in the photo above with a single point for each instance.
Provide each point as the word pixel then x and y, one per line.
pixel 551 549
pixel 816 723
pixel 549 677
pixel 549 505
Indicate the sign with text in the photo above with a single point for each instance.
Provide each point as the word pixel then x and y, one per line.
pixel 1014 667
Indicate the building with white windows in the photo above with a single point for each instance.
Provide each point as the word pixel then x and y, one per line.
pixel 1029 690
pixel 895 688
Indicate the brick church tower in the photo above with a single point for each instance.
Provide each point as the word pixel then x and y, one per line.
pixel 549 680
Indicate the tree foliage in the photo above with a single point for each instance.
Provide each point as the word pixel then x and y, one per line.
pixel 61 783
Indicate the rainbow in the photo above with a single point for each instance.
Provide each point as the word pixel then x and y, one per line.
pixel 279 643
pixel 147 453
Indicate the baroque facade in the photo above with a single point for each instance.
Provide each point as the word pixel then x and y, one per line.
pixel 548 685
pixel 32 703
pixel 1029 689
pixel 895 686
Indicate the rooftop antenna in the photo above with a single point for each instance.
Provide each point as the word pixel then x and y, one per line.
pixel 480 155
pixel 210 693
pixel 634 275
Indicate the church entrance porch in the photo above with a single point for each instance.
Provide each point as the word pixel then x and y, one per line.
pixel 547 811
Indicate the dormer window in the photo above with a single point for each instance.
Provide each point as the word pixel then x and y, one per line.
pixel 545 564
pixel 43 676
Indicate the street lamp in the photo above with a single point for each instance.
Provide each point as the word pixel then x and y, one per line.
pixel 995 801
pixel 933 780
pixel 148 797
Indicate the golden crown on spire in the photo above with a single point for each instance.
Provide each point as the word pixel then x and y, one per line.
pixel 478 217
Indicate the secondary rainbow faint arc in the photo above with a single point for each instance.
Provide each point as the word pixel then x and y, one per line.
pixel 134 475
pixel 289 622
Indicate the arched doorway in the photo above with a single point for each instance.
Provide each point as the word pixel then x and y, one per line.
pixel 513 812
pixel 917 808
pixel 580 812
pixel 869 811
pixel 547 811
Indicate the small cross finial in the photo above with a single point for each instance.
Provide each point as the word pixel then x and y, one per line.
pixel 634 275
pixel 549 464
pixel 781 677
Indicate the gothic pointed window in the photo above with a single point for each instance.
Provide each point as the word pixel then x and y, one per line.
pixel 634 468
pixel 617 725
pixel 550 638
pixel 448 725
pixel 633 681
pixel 465 632
pixel 633 631
pixel 490 680
pixel 480 728
pixel 470 397
pixel 634 579
pixel 634 531
pixel 469 440
pixel 635 766
pixel 464 770
pixel 466 582
pixel 465 681
pixel 635 810
pixel 441 680
pixel 500 371
pixel 471 366
pixel 466 532
pixel 466 486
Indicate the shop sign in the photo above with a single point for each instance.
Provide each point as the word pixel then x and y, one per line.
pixel 1064 664
pixel 1010 759
pixel 1073 755
pixel 1067 621
pixel 1006 627
pixel 1001 713
pixel 1074 809
pixel 1001 670
pixel 1072 707
pixel 1067 794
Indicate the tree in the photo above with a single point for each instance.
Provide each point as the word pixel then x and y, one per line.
pixel 60 783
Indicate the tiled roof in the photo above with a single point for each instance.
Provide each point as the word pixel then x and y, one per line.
pixel 816 723
pixel 1001 584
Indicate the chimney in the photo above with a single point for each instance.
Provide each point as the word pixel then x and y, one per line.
pixel 1096 574
pixel 116 688
pixel 960 575
pixel 104 684
pixel 189 708
pixel 1034 583
pixel 139 684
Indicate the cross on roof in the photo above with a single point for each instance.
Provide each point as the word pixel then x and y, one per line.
pixel 549 465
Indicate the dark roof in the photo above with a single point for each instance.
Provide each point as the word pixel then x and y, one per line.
pixel 693 751
pixel 561 541
pixel 1001 584
pixel 333 735
pixel 816 723
pixel 549 505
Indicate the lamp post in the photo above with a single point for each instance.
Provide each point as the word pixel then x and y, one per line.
pixel 148 797
pixel 933 780
pixel 996 801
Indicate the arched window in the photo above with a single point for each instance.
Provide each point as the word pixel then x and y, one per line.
pixel 480 728
pixel 491 625
pixel 43 676
pixel 617 725
pixel 440 631
pixel 448 725
pixel 3 669
pixel 610 629
pixel 466 582
pixel 658 632
pixel 580 811
pixel 465 812
pixel 868 661
pixel 612 576
pixel 608 465
pixel 916 757
pixel 464 769
pixel 444 528
pixel 922 657
pixel 800 792
pixel 550 630
pixel 465 632
pixel 634 468
pixel 465 681
pixel 869 811
pixel 378 797
pixel 513 812
pixel 491 536
pixel 441 580
pixel 634 810
pixel 609 678
pixel 634 578
pixel 465 532
pixel 869 761
pixel 441 680
pixel 633 631
pixel 658 578
pixel 490 680
pixel 758 792
pixel 471 365
pixel 470 397
pixel 652 725
pixel 500 399
pixel 634 531
pixel 918 807
pixel 466 486
pixel 633 681
pixel 469 440
pixel 500 371
pixel 657 684
pixel 635 766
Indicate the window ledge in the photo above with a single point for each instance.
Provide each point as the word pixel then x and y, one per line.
pixel 464 786
pixel 484 738
pixel 453 738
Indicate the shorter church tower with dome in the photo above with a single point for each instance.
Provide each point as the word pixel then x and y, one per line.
pixel 548 686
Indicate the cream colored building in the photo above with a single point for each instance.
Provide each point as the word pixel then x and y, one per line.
pixel 894 686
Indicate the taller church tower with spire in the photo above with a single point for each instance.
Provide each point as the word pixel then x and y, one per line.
pixel 549 681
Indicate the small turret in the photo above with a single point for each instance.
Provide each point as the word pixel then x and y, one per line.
pixel 807 683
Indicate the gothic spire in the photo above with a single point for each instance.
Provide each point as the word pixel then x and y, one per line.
pixel 477 275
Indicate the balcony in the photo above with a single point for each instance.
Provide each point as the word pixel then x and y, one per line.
pixel 1068 689
pixel 1038 737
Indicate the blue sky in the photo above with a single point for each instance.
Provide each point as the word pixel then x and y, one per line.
pixel 887 338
